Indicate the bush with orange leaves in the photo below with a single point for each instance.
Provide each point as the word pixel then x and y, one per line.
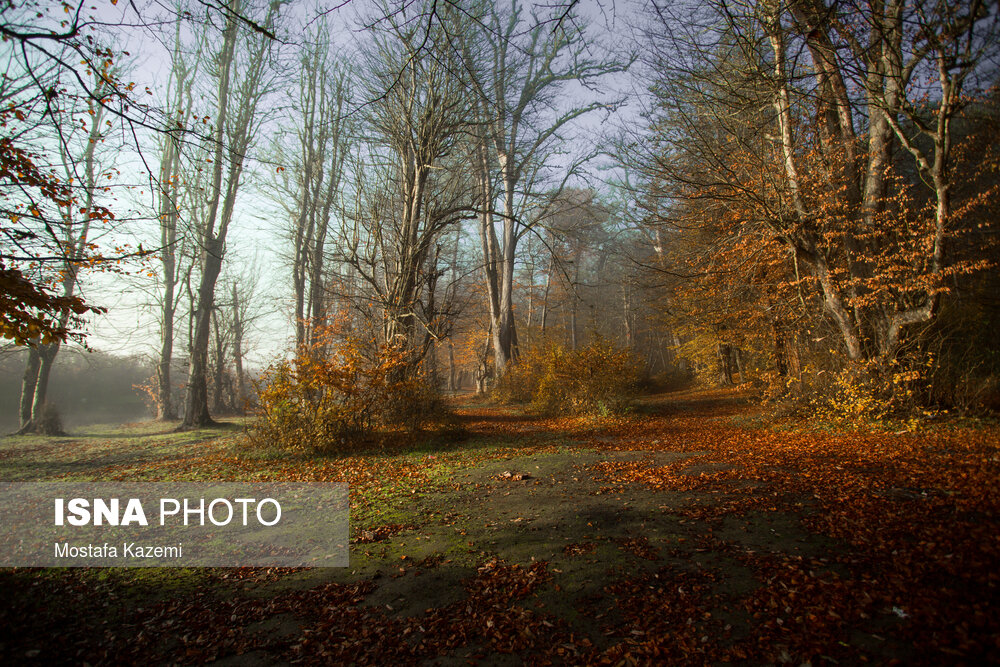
pixel 599 379
pixel 337 393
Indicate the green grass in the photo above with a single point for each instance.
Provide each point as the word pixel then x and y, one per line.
pixel 87 456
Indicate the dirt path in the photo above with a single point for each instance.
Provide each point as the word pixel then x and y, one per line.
pixel 681 535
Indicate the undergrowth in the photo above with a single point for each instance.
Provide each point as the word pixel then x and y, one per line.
pixel 599 379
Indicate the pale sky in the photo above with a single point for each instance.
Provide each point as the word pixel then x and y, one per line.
pixel 256 236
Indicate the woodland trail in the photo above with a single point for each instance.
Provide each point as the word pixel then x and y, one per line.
pixel 687 533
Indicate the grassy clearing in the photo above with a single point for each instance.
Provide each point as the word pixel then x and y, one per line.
pixel 92 453
pixel 675 533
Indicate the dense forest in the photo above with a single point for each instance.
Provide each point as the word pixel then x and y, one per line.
pixel 586 332
pixel 799 198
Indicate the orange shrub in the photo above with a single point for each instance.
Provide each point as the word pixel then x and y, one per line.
pixel 600 379
pixel 336 392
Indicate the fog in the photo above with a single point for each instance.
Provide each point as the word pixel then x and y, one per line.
pixel 87 388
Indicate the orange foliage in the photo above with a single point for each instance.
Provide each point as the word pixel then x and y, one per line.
pixel 911 522
pixel 341 388
pixel 600 379
pixel 28 310
pixel 752 290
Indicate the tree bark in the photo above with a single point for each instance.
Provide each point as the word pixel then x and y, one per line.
pixel 452 371
pixel 46 357
pixel 218 378
pixel 169 190
pixel 75 238
pixel 231 140
pixel 239 404
pixel 28 382
pixel 196 413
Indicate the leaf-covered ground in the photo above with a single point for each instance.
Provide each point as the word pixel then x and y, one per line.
pixel 687 533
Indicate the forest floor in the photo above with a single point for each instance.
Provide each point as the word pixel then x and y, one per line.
pixel 689 532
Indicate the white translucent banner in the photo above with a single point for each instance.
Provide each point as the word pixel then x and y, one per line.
pixel 137 524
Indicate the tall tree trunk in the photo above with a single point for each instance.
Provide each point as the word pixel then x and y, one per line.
pixel 482 367
pixel 196 411
pixel 75 240
pixel 738 358
pixel 452 382
pixel 239 404
pixel 46 356
pixel 574 333
pixel 832 298
pixel 216 224
pixel 682 362
pixel 545 300
pixel 780 350
pixel 28 381
pixel 169 194
pixel 627 317
pixel 218 377
pixel 164 391
pixel 724 355
pixel 531 295
pixel 165 409
pixel 507 327
pixel 491 260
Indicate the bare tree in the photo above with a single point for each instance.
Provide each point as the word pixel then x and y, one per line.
pixel 243 72
pixel 518 83
pixel 415 186
pixel 170 192
pixel 238 309
pixel 315 174
pixel 78 146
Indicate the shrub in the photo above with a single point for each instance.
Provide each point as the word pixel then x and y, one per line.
pixel 338 392
pixel 871 394
pixel 520 381
pixel 598 379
